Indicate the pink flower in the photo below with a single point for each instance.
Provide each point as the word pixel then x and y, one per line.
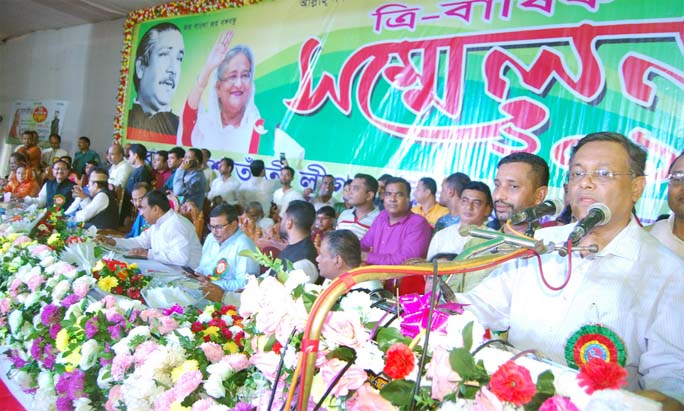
pixel 120 364
pixel 367 398
pixel 64 268
pixel 14 287
pixel 164 401
pixel 485 400
pixel 5 305
pixel 187 383
pixel 295 316
pixel 558 403
pixel 109 301
pixel 352 379
pixel 444 379
pixel 143 351
pixel 513 383
pixel 21 240
pixel 266 363
pixel 204 405
pixel 112 403
pixel 237 362
pixel 34 282
pixel 81 288
pixel 39 249
pixel 213 351
pixel 341 328
pixel 150 314
pixel 166 324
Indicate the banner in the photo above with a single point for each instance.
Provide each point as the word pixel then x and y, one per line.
pixel 43 116
pixel 414 88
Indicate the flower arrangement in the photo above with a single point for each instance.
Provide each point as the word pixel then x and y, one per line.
pixel 119 277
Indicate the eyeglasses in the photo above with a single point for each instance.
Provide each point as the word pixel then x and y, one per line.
pixel 217 227
pixel 676 179
pixel 602 176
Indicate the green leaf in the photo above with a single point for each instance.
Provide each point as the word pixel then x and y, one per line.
pixel 545 383
pixel 269 343
pixel 463 363
pixel 398 392
pixel 386 337
pixel 468 336
pixel 342 353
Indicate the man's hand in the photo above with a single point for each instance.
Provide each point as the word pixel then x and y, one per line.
pixel 138 252
pixel 105 240
pixel 78 192
pixel 213 292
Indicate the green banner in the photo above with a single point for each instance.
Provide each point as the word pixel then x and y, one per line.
pixel 414 88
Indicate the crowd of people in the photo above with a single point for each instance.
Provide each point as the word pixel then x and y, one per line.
pixel 630 286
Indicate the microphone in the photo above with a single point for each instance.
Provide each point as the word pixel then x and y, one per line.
pixel 597 215
pixel 528 215
pixel 515 240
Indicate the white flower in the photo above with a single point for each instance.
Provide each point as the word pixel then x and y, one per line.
pixel 370 357
pixel 104 378
pixel 60 290
pixel 606 400
pixel 82 404
pixel 15 321
pixel 205 317
pixel 23 379
pixel 127 305
pixel 94 307
pixel 47 261
pixel 235 329
pixel 74 309
pixel 357 301
pixel 290 358
pixel 45 380
pixel 214 386
pixel 227 319
pixel 295 278
pixel 89 354
pixel 460 405
pixel 185 332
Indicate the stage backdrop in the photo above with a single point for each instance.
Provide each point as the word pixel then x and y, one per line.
pixel 414 88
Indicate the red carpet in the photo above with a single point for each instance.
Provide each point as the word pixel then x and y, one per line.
pixel 7 401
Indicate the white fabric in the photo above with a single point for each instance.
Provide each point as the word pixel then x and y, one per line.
pixel 258 189
pixel 634 286
pixel 171 240
pixel 318 203
pixel 283 198
pixel 48 155
pixel 209 131
pixel 348 221
pixel 119 173
pixel 210 175
pixel 308 267
pixel 447 240
pixel 662 230
pixel 84 209
pixel 226 189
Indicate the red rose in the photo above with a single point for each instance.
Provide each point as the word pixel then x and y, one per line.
pixel 597 374
pixel 207 338
pixel 277 347
pixel 196 327
pixel 118 290
pixel 226 333
pixel 512 383
pixel 399 361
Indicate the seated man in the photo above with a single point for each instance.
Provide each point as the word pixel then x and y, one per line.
pixel 296 229
pixel 630 290
pixel 397 235
pixel 139 224
pixel 221 261
pixel 427 205
pixel 670 232
pixel 98 208
pixel 325 221
pixel 340 252
pixel 361 197
pixel 171 238
pixel 59 188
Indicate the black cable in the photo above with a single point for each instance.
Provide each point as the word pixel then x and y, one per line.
pixel 280 368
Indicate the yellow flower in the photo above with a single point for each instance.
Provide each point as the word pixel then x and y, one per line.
pixel 99 266
pixel 211 331
pixel 133 266
pixel 231 312
pixel 107 283
pixel 231 347
pixel 176 406
pixel 188 365
pixel 12 236
pixel 6 247
pixel 62 340
pixel 72 360
pixel 209 309
pixel 53 239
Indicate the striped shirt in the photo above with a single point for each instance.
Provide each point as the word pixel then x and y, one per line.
pixel 348 221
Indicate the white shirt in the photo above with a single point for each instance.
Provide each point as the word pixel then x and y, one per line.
pixel 634 287
pixel 48 155
pixel 171 240
pixel 283 198
pixel 226 189
pixel 447 240
pixel 119 173
pixel 318 203
pixel 258 189
pixel 209 175
pixel 86 208
pixel 663 231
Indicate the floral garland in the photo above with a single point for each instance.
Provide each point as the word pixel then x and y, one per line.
pixel 171 9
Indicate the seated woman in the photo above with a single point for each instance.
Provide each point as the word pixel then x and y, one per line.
pixel 24 184
pixel 15 160
pixel 100 209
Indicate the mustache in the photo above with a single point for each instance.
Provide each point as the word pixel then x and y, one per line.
pixel 169 80
pixel 503 203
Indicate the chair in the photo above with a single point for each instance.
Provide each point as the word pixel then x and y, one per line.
pixel 190 211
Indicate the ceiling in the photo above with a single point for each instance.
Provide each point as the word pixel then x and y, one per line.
pixel 20 17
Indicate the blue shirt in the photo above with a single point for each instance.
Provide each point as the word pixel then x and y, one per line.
pixel 139 225
pixel 223 261
pixel 447 220
pixel 81 158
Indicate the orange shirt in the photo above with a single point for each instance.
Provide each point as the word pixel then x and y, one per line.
pixel 433 214
pixel 32 155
